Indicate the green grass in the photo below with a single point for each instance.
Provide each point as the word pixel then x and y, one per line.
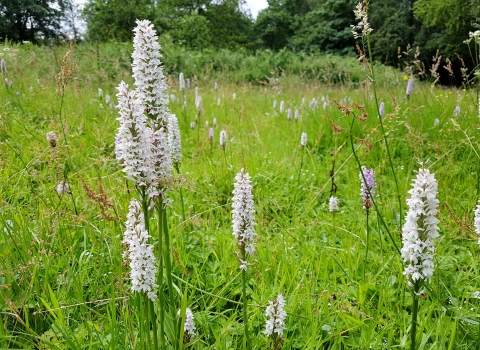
pixel 63 284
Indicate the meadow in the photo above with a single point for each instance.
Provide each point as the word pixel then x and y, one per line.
pixel 65 285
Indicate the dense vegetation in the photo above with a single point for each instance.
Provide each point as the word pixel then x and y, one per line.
pixel 65 285
pixel 311 26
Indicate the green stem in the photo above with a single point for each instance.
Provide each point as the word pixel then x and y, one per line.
pixel 146 304
pixel 154 324
pixel 366 252
pixel 160 273
pixel 383 129
pixel 413 332
pixel 374 202
pixel 246 341
pixel 168 267
pixel 177 167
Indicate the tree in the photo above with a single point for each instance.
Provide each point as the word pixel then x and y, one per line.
pixel 31 20
pixel 115 19
pixel 327 28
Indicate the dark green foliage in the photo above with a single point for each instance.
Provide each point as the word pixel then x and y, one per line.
pixel 327 29
pixel 31 20
pixel 114 19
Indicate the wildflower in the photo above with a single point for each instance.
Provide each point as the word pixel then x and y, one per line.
pixel 17 94
pixel 274 104
pixel 297 113
pixel 282 106
pixel 215 86
pixel 219 102
pixel 52 138
pixel 362 29
pixel 10 83
pixel 3 65
pixel 243 214
pixel 107 99
pixel 198 103
pixel 30 89
pixel 132 142
pixel 420 228
pixel 333 204
pixel 148 72
pixel 192 125
pixel 381 110
pixel 100 92
pixel 214 121
pixel 409 87
pixel 210 135
pixel 436 122
pixel 188 83
pixel 139 253
pixel 475 36
pixel 173 98
pixel 234 96
pixel 456 111
pixel 476 221
pixel 303 139
pixel 189 326
pixel 367 189
pixel 63 187
pixel 275 325
pixel 223 139
pixel 161 160
pixel 6 81
pixel 289 113
pixel 181 81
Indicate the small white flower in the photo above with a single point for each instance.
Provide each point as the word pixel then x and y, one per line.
pixel 210 135
pixel 63 187
pixel 100 92
pixel 174 140
pixel 219 102
pixel 362 29
pixel 303 139
pixel 333 204
pixel 420 228
pixel 297 113
pixel 436 122
pixel 243 215
pixel 275 324
pixel 282 106
pixel 223 139
pixel 192 125
pixel 215 86
pixel 234 96
pixel 189 326
pixel 139 252
pixel 456 111
pixel 107 99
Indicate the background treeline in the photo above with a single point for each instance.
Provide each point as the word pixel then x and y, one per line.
pixel 406 32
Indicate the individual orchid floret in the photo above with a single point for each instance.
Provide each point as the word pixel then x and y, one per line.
pixel 362 29
pixel 139 253
pixel 174 141
pixel 420 228
pixel 243 214
pixel 367 186
pixel 276 315
pixel 148 72
pixel 476 222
